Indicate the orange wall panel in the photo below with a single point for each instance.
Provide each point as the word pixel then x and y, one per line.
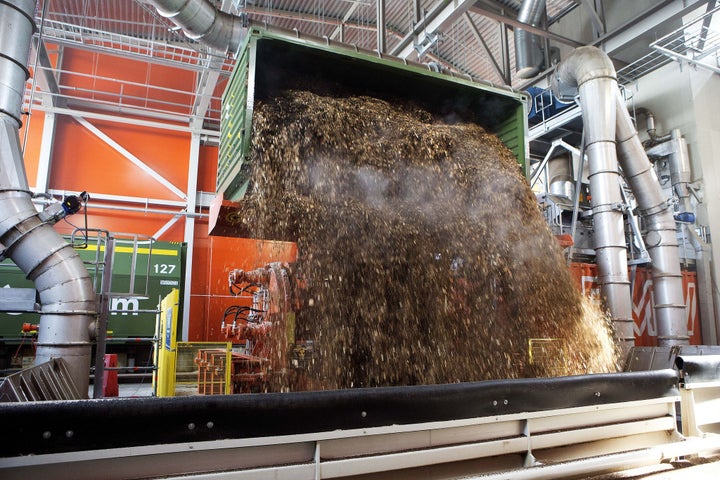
pixel 82 161
pixel 109 77
pixel 31 136
pixel 207 169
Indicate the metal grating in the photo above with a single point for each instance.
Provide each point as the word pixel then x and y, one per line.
pixel 696 43
pixel 47 381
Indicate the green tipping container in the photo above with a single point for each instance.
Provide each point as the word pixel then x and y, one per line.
pixel 272 61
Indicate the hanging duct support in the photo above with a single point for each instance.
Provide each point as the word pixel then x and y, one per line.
pixel 67 298
pixel 529 56
pixel 606 121
pixel 201 21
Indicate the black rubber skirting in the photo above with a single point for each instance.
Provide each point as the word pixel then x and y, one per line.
pixel 49 427
pixel 696 369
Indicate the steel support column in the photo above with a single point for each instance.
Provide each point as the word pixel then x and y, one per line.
pixel 189 236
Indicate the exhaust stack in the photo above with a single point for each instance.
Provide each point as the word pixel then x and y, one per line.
pixel 66 293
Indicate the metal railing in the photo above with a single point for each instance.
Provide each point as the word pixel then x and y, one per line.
pixel 696 43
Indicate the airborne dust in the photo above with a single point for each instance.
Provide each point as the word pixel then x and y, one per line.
pixel 424 254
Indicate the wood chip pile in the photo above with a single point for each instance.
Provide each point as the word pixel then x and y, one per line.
pixel 425 256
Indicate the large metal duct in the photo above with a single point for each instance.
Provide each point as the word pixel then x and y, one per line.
pixel 66 293
pixel 661 238
pixel 529 55
pixel 593 73
pixel 201 21
pixel 560 176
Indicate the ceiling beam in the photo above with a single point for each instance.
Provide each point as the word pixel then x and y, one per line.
pixel 436 21
pixel 504 76
pixel 339 29
pixel 666 11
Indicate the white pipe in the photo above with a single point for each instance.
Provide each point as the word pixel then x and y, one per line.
pixel 592 72
pixel 661 238
pixel 66 292
pixel 710 322
pixel 680 174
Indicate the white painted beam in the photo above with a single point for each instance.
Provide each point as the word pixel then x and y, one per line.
pixel 189 236
pixel 440 18
pixel 128 121
pixel 42 180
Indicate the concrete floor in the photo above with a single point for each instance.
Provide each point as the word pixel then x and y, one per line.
pixel 701 468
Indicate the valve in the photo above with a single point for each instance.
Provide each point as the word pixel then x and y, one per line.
pixel 70 204
pixel 73 203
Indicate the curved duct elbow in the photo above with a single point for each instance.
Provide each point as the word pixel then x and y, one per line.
pixel 529 56
pixel 201 21
pixel 67 297
pixel 584 64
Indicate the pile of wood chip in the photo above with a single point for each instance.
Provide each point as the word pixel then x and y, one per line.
pixel 424 254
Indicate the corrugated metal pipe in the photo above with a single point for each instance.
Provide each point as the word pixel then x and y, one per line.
pixel 201 21
pixel 661 238
pixel 529 56
pixel 593 73
pixel 65 290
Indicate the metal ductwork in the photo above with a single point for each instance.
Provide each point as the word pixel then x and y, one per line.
pixel 529 56
pixel 201 21
pixel 66 294
pixel 593 73
pixel 661 238
pixel 606 121
pixel 560 177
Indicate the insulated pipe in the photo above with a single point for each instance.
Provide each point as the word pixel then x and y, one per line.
pixel 592 72
pixel 711 323
pixel 201 21
pixel 66 293
pixel 680 170
pixel 560 174
pixel 661 238
pixel 528 46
